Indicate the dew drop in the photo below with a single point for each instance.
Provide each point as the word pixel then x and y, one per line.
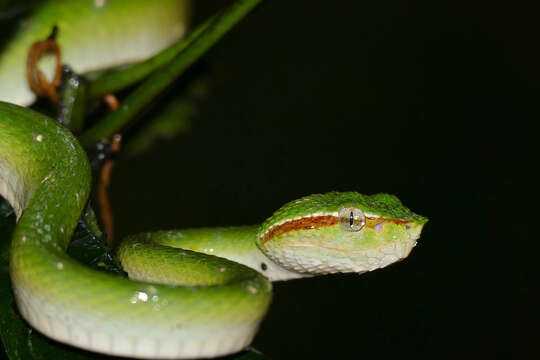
pixel 138 296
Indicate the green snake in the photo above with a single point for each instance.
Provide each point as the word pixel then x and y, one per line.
pixel 215 305
pixel 191 293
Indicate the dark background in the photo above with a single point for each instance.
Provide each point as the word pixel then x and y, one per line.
pixel 436 103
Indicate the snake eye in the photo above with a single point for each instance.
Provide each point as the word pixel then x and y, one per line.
pixel 352 219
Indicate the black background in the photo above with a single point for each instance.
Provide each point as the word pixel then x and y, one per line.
pixel 435 102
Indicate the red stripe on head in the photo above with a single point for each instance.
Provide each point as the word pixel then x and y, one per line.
pixel 304 223
pixel 312 222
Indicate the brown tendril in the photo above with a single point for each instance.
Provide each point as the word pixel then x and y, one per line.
pixel 37 80
pixel 103 196
pixel 111 101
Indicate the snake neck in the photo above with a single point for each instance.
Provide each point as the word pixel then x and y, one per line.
pixel 236 243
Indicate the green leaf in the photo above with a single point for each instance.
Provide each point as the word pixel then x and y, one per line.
pixel 90 248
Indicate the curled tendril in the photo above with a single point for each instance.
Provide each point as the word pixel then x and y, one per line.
pixel 37 80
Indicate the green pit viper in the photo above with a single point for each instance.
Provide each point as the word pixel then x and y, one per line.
pixel 191 293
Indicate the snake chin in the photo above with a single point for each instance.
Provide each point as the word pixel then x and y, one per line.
pixel 310 259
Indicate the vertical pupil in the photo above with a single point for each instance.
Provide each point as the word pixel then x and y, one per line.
pixel 351 219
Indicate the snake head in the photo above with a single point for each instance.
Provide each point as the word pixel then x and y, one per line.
pixel 340 232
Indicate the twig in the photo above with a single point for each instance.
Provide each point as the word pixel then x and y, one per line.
pixel 102 191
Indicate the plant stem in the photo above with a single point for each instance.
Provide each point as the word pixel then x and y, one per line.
pixel 115 80
pixel 157 82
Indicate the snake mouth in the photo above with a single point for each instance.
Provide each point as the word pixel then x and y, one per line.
pixel 330 248
pixel 409 242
